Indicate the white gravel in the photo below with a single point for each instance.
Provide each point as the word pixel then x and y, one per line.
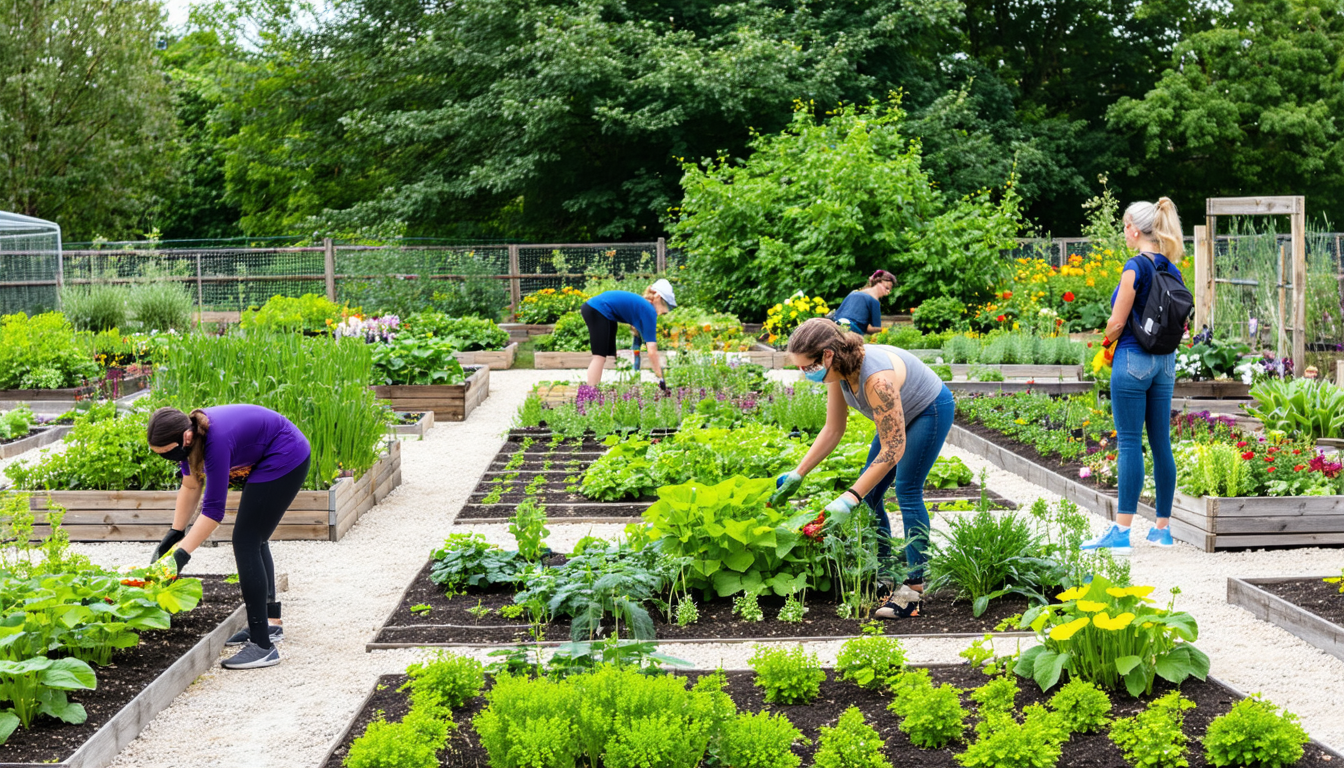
pixel 341 592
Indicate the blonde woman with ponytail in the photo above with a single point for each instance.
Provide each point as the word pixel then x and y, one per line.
pixel 1141 383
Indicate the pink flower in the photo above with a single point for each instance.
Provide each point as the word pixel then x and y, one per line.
pixel 1085 472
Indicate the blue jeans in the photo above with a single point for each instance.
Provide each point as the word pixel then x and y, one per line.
pixel 924 436
pixel 1141 396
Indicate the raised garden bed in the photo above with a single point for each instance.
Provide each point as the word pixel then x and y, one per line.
pixel 1304 605
pixel 1212 389
pixel 38 438
pixel 523 331
pixel 1014 371
pixel 418 430
pixel 449 402
pixel 1046 387
pixel 571 360
pixel 140 683
pixel 142 515
pixel 107 387
pixel 449 623
pixel 1211 697
pixel 498 360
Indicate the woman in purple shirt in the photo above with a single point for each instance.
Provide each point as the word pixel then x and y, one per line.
pixel 270 456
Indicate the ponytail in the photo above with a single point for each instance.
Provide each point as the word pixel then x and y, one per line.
pixel 200 428
pixel 1160 223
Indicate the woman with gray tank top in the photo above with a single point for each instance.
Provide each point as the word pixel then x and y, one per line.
pixel 913 411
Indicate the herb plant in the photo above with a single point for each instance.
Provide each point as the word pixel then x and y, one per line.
pixel 988 555
pixel 996 698
pixel 793 610
pixel 789 676
pixel 759 740
pixel 1153 738
pixel 1005 743
pixel 528 526
pixel 446 680
pixel 931 716
pixel 747 606
pixel 1254 733
pixel 852 743
pixel 870 660
pixel 1082 706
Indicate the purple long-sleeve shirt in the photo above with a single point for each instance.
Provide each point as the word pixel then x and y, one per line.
pixel 246 441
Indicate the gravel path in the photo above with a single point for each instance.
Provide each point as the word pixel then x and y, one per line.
pixel 340 593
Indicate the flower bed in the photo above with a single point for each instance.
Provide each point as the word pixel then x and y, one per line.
pixel 449 402
pixel 1306 606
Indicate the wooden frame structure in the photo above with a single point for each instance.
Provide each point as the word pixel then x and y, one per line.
pixel 1292 206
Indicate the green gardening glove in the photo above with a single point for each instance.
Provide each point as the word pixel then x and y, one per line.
pixel 786 485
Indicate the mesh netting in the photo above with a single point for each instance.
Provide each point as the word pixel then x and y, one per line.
pixel 1251 268
pixel 30 255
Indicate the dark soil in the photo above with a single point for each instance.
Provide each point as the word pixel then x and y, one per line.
pixel 554 511
pixel 449 619
pixel 1068 469
pixel 1324 600
pixel 1082 751
pixel 130 671
pixel 32 431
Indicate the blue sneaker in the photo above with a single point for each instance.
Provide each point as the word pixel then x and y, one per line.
pixel 1160 537
pixel 1116 540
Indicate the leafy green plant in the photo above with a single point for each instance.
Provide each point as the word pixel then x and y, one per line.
pixel 310 312
pixel 988 555
pixel 467 334
pixel 1306 407
pixel 931 716
pixel 108 455
pixel 468 560
pixel 793 610
pixel 161 305
pixel 759 740
pixel 1081 706
pixel 614 581
pixel 549 304
pixel 996 698
pixel 445 681
pixel 97 307
pixel 938 314
pixel 17 422
pixel 943 372
pixel 984 373
pixel 687 612
pixel 948 472
pixel 788 675
pixel 414 742
pixel 747 606
pixel 852 743
pixel 870 660
pixel 528 526
pixel 40 352
pixel 1153 738
pixel 416 360
pixel 1005 743
pixel 1254 733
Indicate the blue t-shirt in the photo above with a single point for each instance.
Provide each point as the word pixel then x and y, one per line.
pixel 629 308
pixel 1143 270
pixel 861 310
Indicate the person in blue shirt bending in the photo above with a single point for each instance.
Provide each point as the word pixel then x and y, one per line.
pixel 604 311
pixel 862 309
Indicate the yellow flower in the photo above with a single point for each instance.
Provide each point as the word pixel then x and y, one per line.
pixel 1119 622
pixel 794 313
pixel 1091 606
pixel 1129 591
pixel 1065 631
pixel 1074 594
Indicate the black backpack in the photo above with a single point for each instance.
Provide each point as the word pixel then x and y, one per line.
pixel 1162 323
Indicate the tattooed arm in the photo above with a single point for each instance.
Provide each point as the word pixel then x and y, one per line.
pixel 884 392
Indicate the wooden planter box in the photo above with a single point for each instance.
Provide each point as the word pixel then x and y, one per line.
pixel 42 437
pixel 1014 371
pixel 124 386
pixel 1267 606
pixel 1211 389
pixel 1046 387
pixel 499 359
pixel 521 332
pixel 571 360
pixel 449 402
pixel 418 429
pixel 144 515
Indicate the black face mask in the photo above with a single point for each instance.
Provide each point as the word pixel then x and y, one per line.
pixel 178 454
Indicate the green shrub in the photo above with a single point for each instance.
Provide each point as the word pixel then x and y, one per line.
pixel 571 335
pixel 40 352
pixel 989 555
pixel 162 305
pixel 942 371
pixel 412 743
pixel 1034 743
pixel 664 740
pixel 527 723
pixel 938 314
pixel 789 676
pixel 931 717
pixel 1153 738
pixel 852 743
pixel 870 661
pixel 310 312
pixel 760 740
pixel 1253 733
pixel 997 697
pixel 467 334
pixel 1082 706
pixel 446 681
pixel 961 349
pixel 96 307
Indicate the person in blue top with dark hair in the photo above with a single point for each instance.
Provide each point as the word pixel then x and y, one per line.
pixel 606 310
pixel 862 309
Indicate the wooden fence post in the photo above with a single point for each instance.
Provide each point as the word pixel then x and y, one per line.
pixel 200 291
pixel 1299 220
pixel 329 266
pixel 515 281
pixel 1203 279
pixel 660 259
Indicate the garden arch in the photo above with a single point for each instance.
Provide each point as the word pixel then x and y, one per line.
pixel 1292 206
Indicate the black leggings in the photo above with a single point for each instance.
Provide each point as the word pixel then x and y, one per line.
pixel 259 512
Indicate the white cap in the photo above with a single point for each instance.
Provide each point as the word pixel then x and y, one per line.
pixel 664 289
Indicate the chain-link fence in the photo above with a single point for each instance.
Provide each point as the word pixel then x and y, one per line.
pixel 30 263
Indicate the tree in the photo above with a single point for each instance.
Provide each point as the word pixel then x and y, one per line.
pixel 1249 108
pixel 821 204
pixel 85 121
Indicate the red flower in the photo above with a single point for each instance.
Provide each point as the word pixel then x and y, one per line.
pixel 1241 444
pixel 1089 345
pixel 1272 449
pixel 1248 455
pixel 132 583
pixel 1270 459
pixel 1007 294
pixel 1060 321
pixel 1271 469
pixel 1297 451
pixel 1068 295
pixel 1299 467
pixel 1002 318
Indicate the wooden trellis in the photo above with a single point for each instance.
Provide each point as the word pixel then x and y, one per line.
pixel 1295 208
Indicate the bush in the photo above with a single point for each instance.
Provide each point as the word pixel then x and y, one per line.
pixel 310 312
pixel 445 682
pixel 549 304
pixel 1083 707
pixel 1034 743
pixel 161 306
pixel 760 740
pixel 1153 738
pixel 852 743
pixel 931 717
pixel 95 307
pixel 961 349
pixel 40 352
pixel 412 743
pixel 1253 733
pixel 938 314
pixel 871 660
pixel 467 334
pixel 997 697
pixel 789 676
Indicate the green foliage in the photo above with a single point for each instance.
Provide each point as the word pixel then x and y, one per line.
pixel 938 313
pixel 98 307
pixel 871 660
pixel 1305 407
pixel 106 455
pixel 932 717
pixel 788 675
pixel 416 360
pixel 793 610
pixel 161 305
pixel 310 312
pixel 687 612
pixel 943 372
pixel 996 698
pixel 852 743
pixel 17 422
pixel 810 198
pixel 467 560
pixel 40 352
pixel 549 304
pixel 1082 706
pixel 571 335
pixel 1153 738
pixel 988 555
pixel 760 740
pixel 467 334
pixel 1211 359
pixel 747 606
pixel 528 526
pixel 1254 733
pixel 609 581
pixel 1005 743
pixel 414 742
pixel 445 682
pixel 948 472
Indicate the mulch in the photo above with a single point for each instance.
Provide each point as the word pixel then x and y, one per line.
pixel 131 670
pixel 1082 750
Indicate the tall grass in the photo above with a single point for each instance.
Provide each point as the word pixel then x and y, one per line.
pixel 319 384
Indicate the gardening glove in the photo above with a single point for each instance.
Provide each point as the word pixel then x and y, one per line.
pixel 169 539
pixel 181 557
pixel 786 485
pixel 662 384
pixel 841 505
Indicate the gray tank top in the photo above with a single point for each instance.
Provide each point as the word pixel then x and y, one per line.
pixel 922 386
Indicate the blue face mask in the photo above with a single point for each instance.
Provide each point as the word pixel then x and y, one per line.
pixel 816 376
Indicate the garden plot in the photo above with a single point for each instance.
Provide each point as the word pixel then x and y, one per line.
pixel 1211 698
pixel 1307 606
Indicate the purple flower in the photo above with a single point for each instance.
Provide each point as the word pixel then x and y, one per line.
pixel 1253 325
